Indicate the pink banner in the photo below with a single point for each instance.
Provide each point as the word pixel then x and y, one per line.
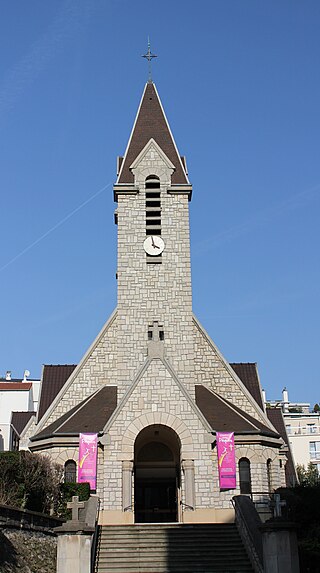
pixel 87 470
pixel 226 460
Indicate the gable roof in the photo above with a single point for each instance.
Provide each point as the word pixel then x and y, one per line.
pixel 15 386
pixel 138 377
pixel 226 417
pixel 248 374
pixel 276 418
pixel 19 420
pixel 151 122
pixel 89 416
pixel 54 377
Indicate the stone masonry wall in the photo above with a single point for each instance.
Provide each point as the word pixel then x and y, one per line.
pixel 99 369
pixel 157 393
pixel 27 551
pixel 60 455
pixel 258 456
pixel 211 371
pixel 154 292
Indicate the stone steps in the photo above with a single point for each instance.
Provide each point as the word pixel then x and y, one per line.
pixel 171 548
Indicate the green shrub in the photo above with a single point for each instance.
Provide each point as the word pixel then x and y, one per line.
pixel 32 481
pixel 29 481
pixel 303 507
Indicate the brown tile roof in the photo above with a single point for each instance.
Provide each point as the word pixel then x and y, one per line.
pixel 15 385
pixel 19 420
pixel 276 418
pixel 151 123
pixel 89 416
pixel 224 416
pixel 248 374
pixel 54 376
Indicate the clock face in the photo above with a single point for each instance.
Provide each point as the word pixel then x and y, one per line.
pixel 153 245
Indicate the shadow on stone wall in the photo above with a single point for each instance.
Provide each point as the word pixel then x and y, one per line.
pixel 25 551
pixel 8 554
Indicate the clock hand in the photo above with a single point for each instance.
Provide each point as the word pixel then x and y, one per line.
pixel 153 243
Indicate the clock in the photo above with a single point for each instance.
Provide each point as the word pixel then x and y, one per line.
pixel 153 245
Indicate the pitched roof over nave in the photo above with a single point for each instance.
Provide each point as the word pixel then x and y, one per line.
pixel 92 414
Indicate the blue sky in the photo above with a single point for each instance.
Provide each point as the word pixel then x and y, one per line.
pixel 240 84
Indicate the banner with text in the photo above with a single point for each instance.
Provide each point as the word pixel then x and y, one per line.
pixel 87 471
pixel 226 460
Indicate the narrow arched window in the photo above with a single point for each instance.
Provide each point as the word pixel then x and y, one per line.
pixel 269 475
pixel 70 471
pixel 244 476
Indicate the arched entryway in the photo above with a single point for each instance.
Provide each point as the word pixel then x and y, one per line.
pixel 156 475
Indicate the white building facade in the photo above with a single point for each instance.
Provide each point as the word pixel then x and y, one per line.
pixel 303 430
pixel 16 395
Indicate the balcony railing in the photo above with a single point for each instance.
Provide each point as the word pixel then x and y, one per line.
pixel 303 431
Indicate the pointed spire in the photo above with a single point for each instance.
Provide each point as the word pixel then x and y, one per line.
pixel 151 122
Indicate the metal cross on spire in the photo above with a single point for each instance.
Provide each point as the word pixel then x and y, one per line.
pixel 149 56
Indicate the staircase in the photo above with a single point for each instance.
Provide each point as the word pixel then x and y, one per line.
pixel 166 548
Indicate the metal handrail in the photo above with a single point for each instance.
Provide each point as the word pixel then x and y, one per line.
pixel 95 541
pixel 187 505
pixel 128 507
pixel 254 554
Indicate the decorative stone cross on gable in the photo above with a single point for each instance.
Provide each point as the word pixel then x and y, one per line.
pixel 75 505
pixel 156 332
pixel 156 337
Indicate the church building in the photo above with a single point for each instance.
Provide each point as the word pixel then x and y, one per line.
pixel 153 385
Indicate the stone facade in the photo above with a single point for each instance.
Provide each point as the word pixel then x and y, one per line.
pixel 156 378
pixel 154 292
pixel 96 369
pixel 23 551
pixel 213 371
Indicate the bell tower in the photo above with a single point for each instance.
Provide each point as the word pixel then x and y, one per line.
pixel 154 276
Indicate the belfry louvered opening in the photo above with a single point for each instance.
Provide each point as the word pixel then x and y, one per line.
pixel 153 206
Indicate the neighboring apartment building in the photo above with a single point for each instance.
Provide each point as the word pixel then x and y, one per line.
pixel 18 403
pixel 303 430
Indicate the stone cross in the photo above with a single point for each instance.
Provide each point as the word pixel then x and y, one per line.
pixel 75 505
pixel 278 504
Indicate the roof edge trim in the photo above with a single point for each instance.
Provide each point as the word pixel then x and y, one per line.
pixel 261 414
pixel 131 134
pixel 76 371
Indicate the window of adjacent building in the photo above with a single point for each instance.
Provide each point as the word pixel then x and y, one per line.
pixel 70 471
pixel 311 428
pixel 245 476
pixel 14 441
pixel 314 449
